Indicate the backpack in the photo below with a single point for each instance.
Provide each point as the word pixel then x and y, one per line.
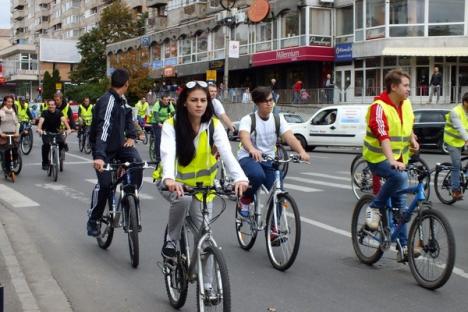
pixel 253 125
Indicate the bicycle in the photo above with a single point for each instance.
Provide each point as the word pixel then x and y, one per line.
pixel 124 202
pixel 189 267
pixel 11 155
pixel 278 231
pixel 152 147
pixel 362 180
pixel 26 138
pixel 443 180
pixel 370 245
pixel 83 139
pixel 56 156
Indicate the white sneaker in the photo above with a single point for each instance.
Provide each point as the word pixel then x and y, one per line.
pixel 372 218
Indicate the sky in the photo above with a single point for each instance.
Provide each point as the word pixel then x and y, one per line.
pixel 4 13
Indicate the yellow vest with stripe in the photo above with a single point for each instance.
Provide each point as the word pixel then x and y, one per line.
pixel 44 107
pixel 65 114
pixel 399 133
pixel 86 114
pixel 22 112
pixel 202 168
pixel 451 135
pixel 142 108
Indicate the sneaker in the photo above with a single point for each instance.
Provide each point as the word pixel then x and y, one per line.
pixel 402 256
pixel 45 166
pixel 372 218
pixel 457 195
pixel 92 228
pixel 243 208
pixel 211 298
pixel 168 251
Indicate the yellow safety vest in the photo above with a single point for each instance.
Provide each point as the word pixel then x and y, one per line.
pixel 22 112
pixel 400 134
pixel 44 107
pixel 86 114
pixel 203 166
pixel 142 108
pixel 452 136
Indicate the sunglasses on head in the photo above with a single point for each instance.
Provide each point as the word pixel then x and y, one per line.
pixel 192 84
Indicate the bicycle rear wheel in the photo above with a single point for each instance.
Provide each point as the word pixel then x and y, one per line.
pixel 151 149
pixel 54 164
pixel 246 229
pixel 283 236
pixel 27 143
pixel 218 297
pixel 106 228
pixel 81 141
pixel 366 243
pixel 62 159
pixel 443 184
pixel 175 277
pixel 87 144
pixel 432 233
pixel 18 165
pixel 361 177
pixel 132 229
pixel 281 153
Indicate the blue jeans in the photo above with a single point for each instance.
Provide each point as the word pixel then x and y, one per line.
pixel 455 156
pixel 395 180
pixel 258 173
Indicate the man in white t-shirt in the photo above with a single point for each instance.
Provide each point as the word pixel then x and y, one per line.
pixel 219 109
pixel 262 140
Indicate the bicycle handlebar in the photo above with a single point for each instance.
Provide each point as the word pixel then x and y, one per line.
pixel 131 165
pixel 295 158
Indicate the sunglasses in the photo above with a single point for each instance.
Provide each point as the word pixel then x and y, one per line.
pixel 192 84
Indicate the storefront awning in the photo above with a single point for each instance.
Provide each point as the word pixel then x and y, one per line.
pixel 423 51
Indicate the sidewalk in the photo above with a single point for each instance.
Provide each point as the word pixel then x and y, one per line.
pixel 29 283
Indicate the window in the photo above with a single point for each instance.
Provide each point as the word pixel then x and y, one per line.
pixel 290 30
pixel 202 47
pixel 263 32
pixel 170 49
pixel 448 11
pixel 358 83
pixel 242 35
pixel 156 51
pixel 358 17
pixel 344 21
pixel 185 50
pixel 325 117
pixel 446 30
pixel 407 11
pixel 320 27
pixel 422 80
pixel 375 19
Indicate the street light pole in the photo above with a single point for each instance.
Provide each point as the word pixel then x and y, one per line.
pixel 229 22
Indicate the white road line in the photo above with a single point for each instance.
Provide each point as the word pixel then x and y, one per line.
pixel 66 163
pixel 344 172
pixel 15 198
pixel 343 186
pixel 325 175
pixel 148 180
pixel 93 181
pixel 288 186
pixel 79 157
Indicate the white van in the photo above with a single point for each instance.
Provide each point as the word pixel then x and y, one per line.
pixel 338 125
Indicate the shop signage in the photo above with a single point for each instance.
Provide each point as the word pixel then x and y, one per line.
pixel 324 54
pixel 211 75
pixel 157 64
pixel 258 10
pixel 170 61
pixel 344 52
pixel 58 86
pixel 216 64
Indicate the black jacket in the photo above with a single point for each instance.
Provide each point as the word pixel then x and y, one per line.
pixel 112 124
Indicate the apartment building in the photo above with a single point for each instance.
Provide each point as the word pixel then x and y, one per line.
pixel 357 41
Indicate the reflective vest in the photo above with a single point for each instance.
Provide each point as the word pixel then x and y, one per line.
pixel 44 107
pixel 451 135
pixel 86 113
pixel 23 112
pixel 65 114
pixel 203 166
pixel 142 108
pixel 399 133
pixel 162 112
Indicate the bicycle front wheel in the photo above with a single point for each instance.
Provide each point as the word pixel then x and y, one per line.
pixel 246 230
pixel 366 243
pixel 283 235
pixel 432 236
pixel 218 296
pixel 18 165
pixel 27 143
pixel 361 177
pixel 87 144
pixel 281 153
pixel 152 151
pixel 132 230
pixel 443 184
pixel 106 228
pixel 81 142
pixel 175 277
pixel 54 164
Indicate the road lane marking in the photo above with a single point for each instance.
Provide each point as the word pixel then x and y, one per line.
pixel 80 157
pixel 66 163
pixel 337 185
pixel 14 198
pixel 325 175
pixel 288 186
pixel 66 191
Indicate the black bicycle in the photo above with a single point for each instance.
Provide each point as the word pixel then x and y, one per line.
pixel 125 203
pixel 443 180
pixel 56 156
pixel 26 138
pixel 12 161
pixel 83 139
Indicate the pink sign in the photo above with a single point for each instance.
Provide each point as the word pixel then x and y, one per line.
pixel 325 54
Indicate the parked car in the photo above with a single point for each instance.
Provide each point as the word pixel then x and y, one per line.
pixel 429 127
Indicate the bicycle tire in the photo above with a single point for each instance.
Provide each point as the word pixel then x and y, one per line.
pixel 61 159
pixel 361 179
pixel 281 153
pixel 145 140
pixel 55 165
pixel 220 283
pixel 132 230
pixel 176 279
pixel 87 144
pixel 431 249
pixel 246 238
pixel 353 164
pixel 359 229
pixel 281 241
pixel 27 143
pixel 151 149
pixel 81 142
pixel 443 184
pixel 19 165
pixel 106 228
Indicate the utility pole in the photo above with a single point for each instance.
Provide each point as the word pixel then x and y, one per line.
pixel 229 22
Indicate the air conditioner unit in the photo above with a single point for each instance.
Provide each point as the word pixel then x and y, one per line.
pixel 327 1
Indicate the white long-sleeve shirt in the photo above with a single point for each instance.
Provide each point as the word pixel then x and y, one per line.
pixel 168 151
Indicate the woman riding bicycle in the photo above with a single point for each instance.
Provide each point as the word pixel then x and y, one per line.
pixel 8 125
pixel 187 159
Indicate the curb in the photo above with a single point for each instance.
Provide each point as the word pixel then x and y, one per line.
pixel 30 274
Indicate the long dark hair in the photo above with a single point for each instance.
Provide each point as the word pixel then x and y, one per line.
pixel 185 149
pixel 9 97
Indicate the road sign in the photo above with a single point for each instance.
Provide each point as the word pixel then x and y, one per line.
pixel 58 86
pixel 211 75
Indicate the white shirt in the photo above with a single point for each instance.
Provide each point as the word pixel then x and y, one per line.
pixel 218 107
pixel 168 151
pixel 265 137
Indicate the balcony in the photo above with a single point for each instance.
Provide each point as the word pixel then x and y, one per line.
pixel 156 23
pixel 44 2
pixel 92 3
pixel 19 24
pixel 19 4
pixel 19 15
pixel 156 3
pixel 42 12
pixel 193 11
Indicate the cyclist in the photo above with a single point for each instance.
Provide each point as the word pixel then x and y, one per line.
pixel 142 108
pixel 112 136
pixel 162 110
pixel 8 125
pixel 85 113
pixel 51 121
pixel 24 114
pixel 456 136
pixel 187 158
pixel 219 109
pixel 64 108
pixel 387 147
pixel 258 134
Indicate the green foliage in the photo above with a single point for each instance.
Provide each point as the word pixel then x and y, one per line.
pixel 49 84
pixel 93 90
pixel 93 58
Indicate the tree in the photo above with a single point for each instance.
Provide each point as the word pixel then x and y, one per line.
pixel 118 23
pixel 93 90
pixel 49 84
pixel 140 82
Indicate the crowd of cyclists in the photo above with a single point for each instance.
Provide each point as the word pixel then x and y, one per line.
pixel 189 135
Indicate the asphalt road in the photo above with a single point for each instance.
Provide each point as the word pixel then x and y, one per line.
pixel 325 277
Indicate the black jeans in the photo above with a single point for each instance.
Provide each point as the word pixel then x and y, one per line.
pixel 157 142
pixel 102 190
pixel 46 141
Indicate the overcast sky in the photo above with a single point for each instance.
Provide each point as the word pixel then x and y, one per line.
pixel 4 13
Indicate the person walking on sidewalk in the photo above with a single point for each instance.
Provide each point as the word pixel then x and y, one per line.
pixel 435 85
